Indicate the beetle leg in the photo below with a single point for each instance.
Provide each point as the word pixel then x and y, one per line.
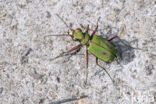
pixel 61 54
pixel 128 45
pixel 117 36
pixel 74 48
pixel 124 43
pixel 86 66
pixel 93 33
pixel 112 38
pixel 105 70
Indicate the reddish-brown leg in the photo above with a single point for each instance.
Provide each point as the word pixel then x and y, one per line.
pixel 86 66
pixel 93 33
pixel 74 48
pixel 112 38
pixel 61 54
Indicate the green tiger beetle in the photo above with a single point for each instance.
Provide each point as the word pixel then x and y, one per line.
pixel 101 48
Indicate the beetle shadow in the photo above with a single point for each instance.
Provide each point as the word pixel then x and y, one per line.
pixel 124 54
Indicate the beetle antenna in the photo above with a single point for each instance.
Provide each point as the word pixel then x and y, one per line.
pixel 56 35
pixel 64 22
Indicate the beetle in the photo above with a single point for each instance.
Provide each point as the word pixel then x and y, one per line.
pixel 101 48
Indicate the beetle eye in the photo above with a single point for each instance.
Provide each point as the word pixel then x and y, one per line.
pixel 79 29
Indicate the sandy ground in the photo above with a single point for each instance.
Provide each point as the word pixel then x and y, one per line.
pixel 27 76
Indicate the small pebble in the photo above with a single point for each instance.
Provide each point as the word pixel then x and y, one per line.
pixel 149 69
pixel 1 89
pixel 48 14
pixel 36 75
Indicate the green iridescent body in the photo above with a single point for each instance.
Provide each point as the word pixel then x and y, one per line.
pixel 101 48
pixel 98 46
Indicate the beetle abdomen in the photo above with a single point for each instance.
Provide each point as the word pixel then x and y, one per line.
pixel 102 49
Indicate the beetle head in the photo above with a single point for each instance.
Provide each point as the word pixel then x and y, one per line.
pixel 76 34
